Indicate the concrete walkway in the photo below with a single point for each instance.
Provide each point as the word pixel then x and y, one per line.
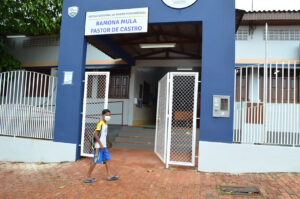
pixel 65 180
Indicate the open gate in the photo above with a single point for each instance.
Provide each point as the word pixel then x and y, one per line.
pixel 175 138
pixel 95 99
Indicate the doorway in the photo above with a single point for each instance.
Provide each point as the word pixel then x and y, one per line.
pixel 164 48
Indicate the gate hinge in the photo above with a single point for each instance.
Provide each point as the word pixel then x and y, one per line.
pixel 199 81
pixel 79 145
pixel 83 81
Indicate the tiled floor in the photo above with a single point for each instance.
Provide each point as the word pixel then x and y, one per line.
pixel 65 180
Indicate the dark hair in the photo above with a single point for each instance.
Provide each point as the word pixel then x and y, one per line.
pixel 105 111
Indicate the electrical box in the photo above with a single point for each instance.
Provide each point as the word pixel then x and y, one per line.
pixel 221 106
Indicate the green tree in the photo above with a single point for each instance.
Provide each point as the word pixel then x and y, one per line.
pixel 26 17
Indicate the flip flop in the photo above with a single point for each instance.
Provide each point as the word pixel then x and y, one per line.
pixel 113 178
pixel 90 180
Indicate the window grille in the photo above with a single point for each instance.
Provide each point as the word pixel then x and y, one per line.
pixel 242 35
pixel 284 34
pixel 44 41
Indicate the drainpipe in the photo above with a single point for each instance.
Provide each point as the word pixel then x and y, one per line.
pixel 265 82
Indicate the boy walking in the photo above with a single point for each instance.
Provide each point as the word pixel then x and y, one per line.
pixel 101 155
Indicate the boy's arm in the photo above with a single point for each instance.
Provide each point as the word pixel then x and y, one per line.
pixel 98 139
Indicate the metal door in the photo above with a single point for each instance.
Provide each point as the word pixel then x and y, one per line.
pixel 95 99
pixel 175 141
pixel 162 119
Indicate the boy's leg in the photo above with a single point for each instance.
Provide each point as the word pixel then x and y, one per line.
pixel 92 167
pixel 107 166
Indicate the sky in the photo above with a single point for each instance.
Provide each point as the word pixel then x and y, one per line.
pixel 268 4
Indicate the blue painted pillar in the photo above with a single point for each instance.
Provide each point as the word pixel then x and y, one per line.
pixel 72 57
pixel 218 73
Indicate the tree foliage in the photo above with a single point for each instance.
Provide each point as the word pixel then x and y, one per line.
pixel 7 61
pixel 26 17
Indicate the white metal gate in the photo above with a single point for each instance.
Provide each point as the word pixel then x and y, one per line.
pixel 161 118
pixel 267 104
pixel 27 104
pixel 94 101
pixel 175 141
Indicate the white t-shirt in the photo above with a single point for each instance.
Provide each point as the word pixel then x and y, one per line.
pixel 102 127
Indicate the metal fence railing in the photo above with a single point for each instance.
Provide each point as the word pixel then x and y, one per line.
pixel 27 104
pixel 267 104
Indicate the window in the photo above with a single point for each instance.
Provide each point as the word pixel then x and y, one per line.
pixel 285 34
pixel 118 84
pixel 242 34
pixel 119 87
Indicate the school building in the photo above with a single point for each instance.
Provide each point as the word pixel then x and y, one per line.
pixel 197 81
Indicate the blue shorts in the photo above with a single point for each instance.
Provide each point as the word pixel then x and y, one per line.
pixel 100 156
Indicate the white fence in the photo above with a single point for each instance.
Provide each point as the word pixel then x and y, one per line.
pixel 267 104
pixel 27 104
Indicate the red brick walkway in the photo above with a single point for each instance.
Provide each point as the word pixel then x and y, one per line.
pixel 65 180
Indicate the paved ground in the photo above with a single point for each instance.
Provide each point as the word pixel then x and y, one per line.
pixel 65 180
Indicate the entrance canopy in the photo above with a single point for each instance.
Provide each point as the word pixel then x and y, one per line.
pixel 186 38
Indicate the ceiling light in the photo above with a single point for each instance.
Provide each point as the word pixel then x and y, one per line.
pixel 15 36
pixel 158 45
pixel 181 68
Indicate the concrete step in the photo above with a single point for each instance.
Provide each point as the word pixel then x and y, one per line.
pixel 138 129
pixel 137 134
pixel 135 140
pixel 132 145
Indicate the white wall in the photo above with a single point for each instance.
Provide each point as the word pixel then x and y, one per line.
pixel 244 158
pixel 41 54
pixel 30 150
pixel 34 54
pixel 254 47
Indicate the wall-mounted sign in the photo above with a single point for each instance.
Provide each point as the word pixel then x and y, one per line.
pixel 179 4
pixel 73 11
pixel 108 22
pixel 68 77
